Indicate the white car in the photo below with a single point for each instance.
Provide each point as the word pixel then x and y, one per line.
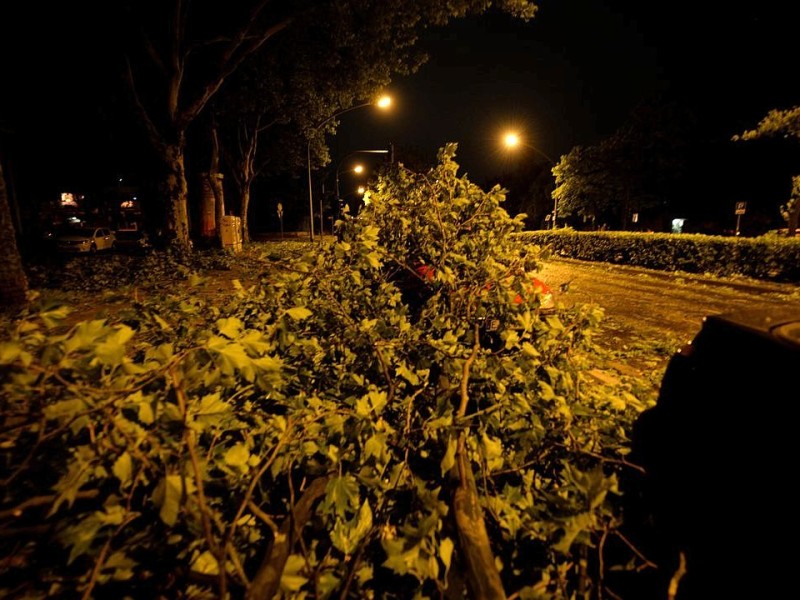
pixel 86 239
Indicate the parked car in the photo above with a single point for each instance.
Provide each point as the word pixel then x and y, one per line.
pixel 719 454
pixel 132 240
pixel 86 239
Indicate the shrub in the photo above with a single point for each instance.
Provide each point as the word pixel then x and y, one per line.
pixel 768 257
pixel 317 435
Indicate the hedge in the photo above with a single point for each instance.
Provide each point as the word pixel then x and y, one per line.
pixel 767 258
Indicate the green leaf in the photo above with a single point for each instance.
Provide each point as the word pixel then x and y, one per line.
pixel 492 447
pixel 79 537
pixel 404 372
pixel 573 527
pixel 65 409
pixel 363 407
pixel 399 559
pixel 167 496
pixel 112 350
pixel 9 352
pixel 376 446
pixel 363 521
pixel 230 327
pixel 291 580
pixel 121 565
pixel 342 494
pixel 378 400
pixel 237 456
pixel 146 414
pixel 211 404
pixel 346 535
pixel 446 553
pixel 206 563
pixel 85 335
pixel 123 468
pixel 234 358
pixel 449 456
pixel 298 313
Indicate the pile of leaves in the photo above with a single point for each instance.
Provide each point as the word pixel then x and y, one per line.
pixel 96 273
pixel 349 428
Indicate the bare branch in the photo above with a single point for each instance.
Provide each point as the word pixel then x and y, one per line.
pixel 156 138
pixel 235 55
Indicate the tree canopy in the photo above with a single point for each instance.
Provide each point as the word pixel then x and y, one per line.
pixel 639 167
pixel 179 54
pixel 785 123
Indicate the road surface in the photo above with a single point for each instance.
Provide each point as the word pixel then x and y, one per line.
pixel 645 304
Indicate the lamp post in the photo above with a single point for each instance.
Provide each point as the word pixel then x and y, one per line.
pixel 512 140
pixel 383 103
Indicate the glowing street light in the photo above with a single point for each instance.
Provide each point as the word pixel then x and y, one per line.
pixel 384 102
pixel 512 140
pixel 359 168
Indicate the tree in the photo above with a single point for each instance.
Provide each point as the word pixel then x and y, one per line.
pixel 640 166
pixel 583 186
pixel 785 123
pixel 173 71
pixel 530 188
pixel 13 280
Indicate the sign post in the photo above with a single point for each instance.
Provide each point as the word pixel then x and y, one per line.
pixel 741 208
pixel 280 217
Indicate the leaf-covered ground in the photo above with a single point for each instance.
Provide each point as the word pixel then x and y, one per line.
pixel 648 314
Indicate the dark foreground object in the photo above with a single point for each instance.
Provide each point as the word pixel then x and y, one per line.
pixel 720 449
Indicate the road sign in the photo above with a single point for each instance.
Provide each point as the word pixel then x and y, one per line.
pixel 741 208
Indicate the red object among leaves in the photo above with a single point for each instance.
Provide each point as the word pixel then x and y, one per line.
pixel 428 274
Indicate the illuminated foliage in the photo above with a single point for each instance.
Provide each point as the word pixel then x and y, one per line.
pixel 785 123
pixel 332 431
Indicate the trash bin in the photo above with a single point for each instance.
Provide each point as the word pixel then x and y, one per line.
pixel 720 454
pixel 231 233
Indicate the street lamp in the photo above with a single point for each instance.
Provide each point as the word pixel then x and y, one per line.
pixel 384 102
pixel 512 140
pixel 357 169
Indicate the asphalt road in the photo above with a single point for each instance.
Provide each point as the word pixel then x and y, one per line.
pixel 654 305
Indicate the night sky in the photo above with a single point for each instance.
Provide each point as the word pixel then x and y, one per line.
pixel 570 76
pixel 573 74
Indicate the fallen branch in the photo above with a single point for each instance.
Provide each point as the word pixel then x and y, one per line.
pixel 267 580
pixel 483 578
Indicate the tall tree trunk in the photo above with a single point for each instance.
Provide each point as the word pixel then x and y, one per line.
pixel 243 170
pixel 245 207
pixel 215 179
pixel 177 194
pixel 13 281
